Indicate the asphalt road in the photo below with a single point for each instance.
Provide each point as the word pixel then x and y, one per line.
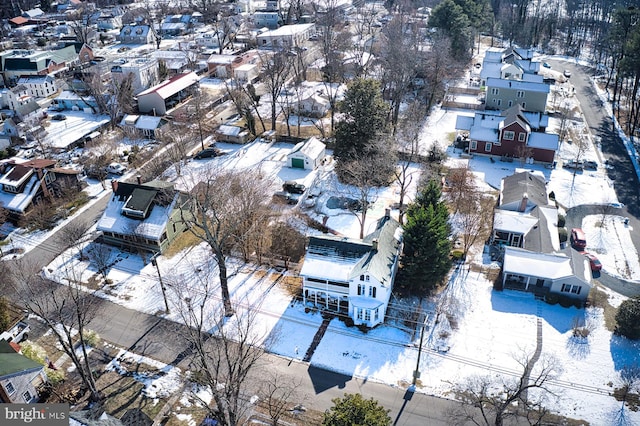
pixel 622 173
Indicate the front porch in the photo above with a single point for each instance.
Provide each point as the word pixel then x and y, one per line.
pixel 538 286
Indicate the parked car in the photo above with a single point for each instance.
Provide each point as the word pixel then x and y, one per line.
pixel 293 187
pixel 591 165
pixel 578 239
pixel 616 205
pixel 207 153
pixel 567 73
pixel 573 164
pixel 546 65
pixel 595 264
pixel 116 169
pixel 59 117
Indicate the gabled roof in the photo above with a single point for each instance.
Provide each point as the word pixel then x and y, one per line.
pixel 515 115
pixel 19 20
pixel 515 186
pixel 341 259
pixel 545 265
pixel 12 363
pixel 311 148
pixel 518 85
pixel 172 86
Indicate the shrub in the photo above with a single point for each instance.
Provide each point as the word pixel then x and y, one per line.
pixel 33 351
pixel 55 376
pixel 91 338
pixel 457 255
pixel 497 285
pixel 348 321
pixel 566 301
pixel 561 220
pixel 363 328
pixel 628 319
pixel 551 298
pixel 562 233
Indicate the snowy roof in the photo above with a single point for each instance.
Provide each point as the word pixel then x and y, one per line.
pixel 172 86
pixel 132 198
pixel 517 222
pixel 543 141
pixel 490 69
pixel 311 148
pixel 546 265
pixel 229 130
pixel 20 202
pixel 222 59
pixel 287 30
pixel 464 122
pixel 341 259
pixel 513 187
pixel 148 122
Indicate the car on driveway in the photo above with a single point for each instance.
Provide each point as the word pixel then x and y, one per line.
pixel 591 165
pixel 59 117
pixel 116 169
pixel 546 65
pixel 567 73
pixel 573 164
pixel 578 239
pixel 207 153
pixel 293 187
pixel 594 263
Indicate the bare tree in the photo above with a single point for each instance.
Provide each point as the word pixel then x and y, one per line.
pixel 224 206
pixel 277 393
pixel 491 400
pixel 459 184
pixel 276 69
pixel 74 235
pixel 66 310
pixel 100 255
pixel 365 173
pixel 627 393
pixel 224 351
pixel 474 218
pixel 80 23
pixel 408 138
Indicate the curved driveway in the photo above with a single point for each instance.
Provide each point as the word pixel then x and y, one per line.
pixel 622 173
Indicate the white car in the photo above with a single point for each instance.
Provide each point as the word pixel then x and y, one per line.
pixel 116 169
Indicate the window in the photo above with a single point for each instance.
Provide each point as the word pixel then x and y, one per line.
pixel 495 91
pixel 361 277
pixel 376 315
pixel 366 277
pixel 576 289
pixel 510 104
pixel 361 289
pixel 359 313
pixel 372 291
pixel 487 147
pixel 9 387
pixel 473 145
pixel 524 105
pixel 27 396
pixel 522 136
pixel 508 135
pixel 520 94
pixel 367 314
pixel 499 102
pixel 49 177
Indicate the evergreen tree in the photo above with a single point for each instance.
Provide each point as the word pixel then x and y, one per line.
pixel 426 259
pixel 353 410
pixel 364 118
pixel 628 318
pixel 452 21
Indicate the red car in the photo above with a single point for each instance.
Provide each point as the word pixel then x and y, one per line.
pixel 593 261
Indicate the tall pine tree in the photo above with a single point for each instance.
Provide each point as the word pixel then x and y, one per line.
pixel 426 260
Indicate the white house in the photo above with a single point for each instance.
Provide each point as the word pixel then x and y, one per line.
pixel 287 36
pixel 157 99
pixel 144 71
pixel 137 34
pixel 307 155
pixel 547 272
pixel 353 276
pixel 38 86
pixel 313 105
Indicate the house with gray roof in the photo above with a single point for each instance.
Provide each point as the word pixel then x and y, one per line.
pixel 513 133
pixel 137 34
pixel 20 377
pixel 525 232
pixel 352 276
pixel 144 217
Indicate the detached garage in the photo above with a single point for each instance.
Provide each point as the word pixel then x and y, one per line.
pixel 307 155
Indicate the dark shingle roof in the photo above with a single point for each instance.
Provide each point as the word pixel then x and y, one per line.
pixel 514 186
pixel 12 362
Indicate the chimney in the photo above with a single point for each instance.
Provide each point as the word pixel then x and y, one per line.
pixel 387 213
pixel 374 244
pixel 523 203
pixel 114 185
pixel 139 179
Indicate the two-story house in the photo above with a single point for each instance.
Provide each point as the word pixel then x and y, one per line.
pixel 20 377
pixel 286 37
pixel 526 236
pixel 512 133
pixel 144 73
pixel 137 34
pixel 145 216
pixel 38 86
pixel 353 276
pixel 16 63
pixel 25 183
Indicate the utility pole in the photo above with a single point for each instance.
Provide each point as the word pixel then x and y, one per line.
pixel 154 262
pixel 416 373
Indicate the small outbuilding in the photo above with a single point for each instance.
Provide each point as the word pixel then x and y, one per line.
pixel 307 155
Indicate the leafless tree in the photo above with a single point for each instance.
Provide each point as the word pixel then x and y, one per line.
pixel 80 23
pixel 628 393
pixel 276 70
pixel 66 310
pixel 246 102
pixel 437 67
pixel 408 139
pixel 100 255
pixel 225 31
pixel 224 351
pixel 74 235
pixel 365 173
pixel 278 392
pixel 492 399
pixel 459 182
pixel 474 218
pixel 225 206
